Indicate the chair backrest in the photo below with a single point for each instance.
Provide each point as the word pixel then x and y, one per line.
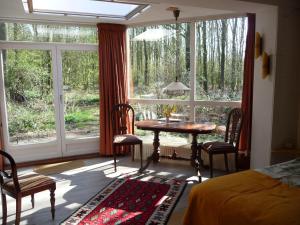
pixel 234 126
pixel 13 171
pixel 122 115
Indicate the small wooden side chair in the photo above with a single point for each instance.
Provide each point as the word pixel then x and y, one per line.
pixel 21 186
pixel 122 116
pixel 230 143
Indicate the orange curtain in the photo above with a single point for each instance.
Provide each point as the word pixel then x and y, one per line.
pixel 112 78
pixel 1 143
pixel 245 143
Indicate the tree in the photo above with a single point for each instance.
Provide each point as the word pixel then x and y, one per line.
pixel 223 49
pixel 187 48
pixel 205 78
pixel 233 57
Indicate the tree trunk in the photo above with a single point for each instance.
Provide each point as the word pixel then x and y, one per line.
pixel 187 48
pixel 204 57
pixel 212 55
pixel 233 57
pixel 146 71
pixel 177 53
pixel 223 45
pixel 199 60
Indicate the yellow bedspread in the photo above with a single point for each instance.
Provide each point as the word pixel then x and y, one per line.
pixel 245 198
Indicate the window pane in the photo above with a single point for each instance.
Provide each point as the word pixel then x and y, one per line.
pixel 87 7
pixel 217 115
pixel 159 54
pixel 29 96
pixel 220 46
pixel 47 33
pixel 81 93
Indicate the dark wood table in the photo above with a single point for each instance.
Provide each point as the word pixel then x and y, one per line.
pixel 177 127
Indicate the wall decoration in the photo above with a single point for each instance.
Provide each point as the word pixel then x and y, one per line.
pixel 265 65
pixel 258 45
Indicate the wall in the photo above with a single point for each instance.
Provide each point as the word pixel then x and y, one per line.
pixel 286 119
pixel 263 91
pixel 286 105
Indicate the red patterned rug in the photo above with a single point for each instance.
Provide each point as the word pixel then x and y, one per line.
pixel 134 200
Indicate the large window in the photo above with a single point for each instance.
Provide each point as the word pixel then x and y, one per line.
pixel 205 56
pixel 49 89
pixel 29 96
pixel 81 93
pixel 220 59
pixel 159 56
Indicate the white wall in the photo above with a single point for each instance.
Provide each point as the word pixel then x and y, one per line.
pixel 263 91
pixel 286 105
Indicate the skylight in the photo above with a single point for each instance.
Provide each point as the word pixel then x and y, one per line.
pixel 91 8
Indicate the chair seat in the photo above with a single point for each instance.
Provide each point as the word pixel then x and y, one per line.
pixel 126 139
pixel 218 146
pixel 30 183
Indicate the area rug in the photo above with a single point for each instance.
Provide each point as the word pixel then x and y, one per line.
pixel 133 199
pixel 56 168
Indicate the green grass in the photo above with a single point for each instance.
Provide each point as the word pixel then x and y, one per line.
pixel 37 116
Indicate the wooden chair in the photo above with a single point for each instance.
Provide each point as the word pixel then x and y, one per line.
pixel 21 186
pixel 122 116
pixel 230 143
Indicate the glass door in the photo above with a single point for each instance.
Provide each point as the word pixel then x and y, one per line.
pixel 49 101
pixel 29 103
pixel 80 94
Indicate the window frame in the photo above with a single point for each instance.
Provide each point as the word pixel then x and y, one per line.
pixel 192 102
pixel 33 151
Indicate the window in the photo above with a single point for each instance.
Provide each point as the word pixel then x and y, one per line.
pixel 220 59
pixel 159 54
pixel 47 33
pixel 29 96
pixel 50 91
pixel 81 93
pixel 100 8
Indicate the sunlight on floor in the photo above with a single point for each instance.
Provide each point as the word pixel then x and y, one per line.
pixel 88 168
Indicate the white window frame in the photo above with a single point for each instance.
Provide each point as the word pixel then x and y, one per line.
pixel 61 146
pixel 192 102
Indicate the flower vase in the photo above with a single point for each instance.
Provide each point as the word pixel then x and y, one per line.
pixel 167 119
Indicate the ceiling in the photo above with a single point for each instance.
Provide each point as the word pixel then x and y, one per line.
pixel 13 10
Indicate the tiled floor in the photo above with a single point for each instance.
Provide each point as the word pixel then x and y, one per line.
pixel 75 187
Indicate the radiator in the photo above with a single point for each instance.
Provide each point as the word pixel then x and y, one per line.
pixel 184 151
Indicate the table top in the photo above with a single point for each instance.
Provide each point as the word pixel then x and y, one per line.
pixel 178 127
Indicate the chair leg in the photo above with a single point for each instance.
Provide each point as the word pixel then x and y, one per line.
pixel 141 155
pixel 18 209
pixel 52 201
pixel 4 209
pixel 211 166
pixel 226 162
pixel 199 151
pixel 32 200
pixel 132 152
pixel 236 161
pixel 115 159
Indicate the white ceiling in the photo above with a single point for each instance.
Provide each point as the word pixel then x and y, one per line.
pixel 13 10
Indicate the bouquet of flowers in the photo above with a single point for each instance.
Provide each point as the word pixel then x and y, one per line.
pixel 168 109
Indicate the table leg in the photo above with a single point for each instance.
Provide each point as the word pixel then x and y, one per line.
pixel 155 155
pixel 195 158
pixel 156 150
pixel 194 150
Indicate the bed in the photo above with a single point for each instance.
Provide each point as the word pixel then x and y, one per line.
pixel 269 196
